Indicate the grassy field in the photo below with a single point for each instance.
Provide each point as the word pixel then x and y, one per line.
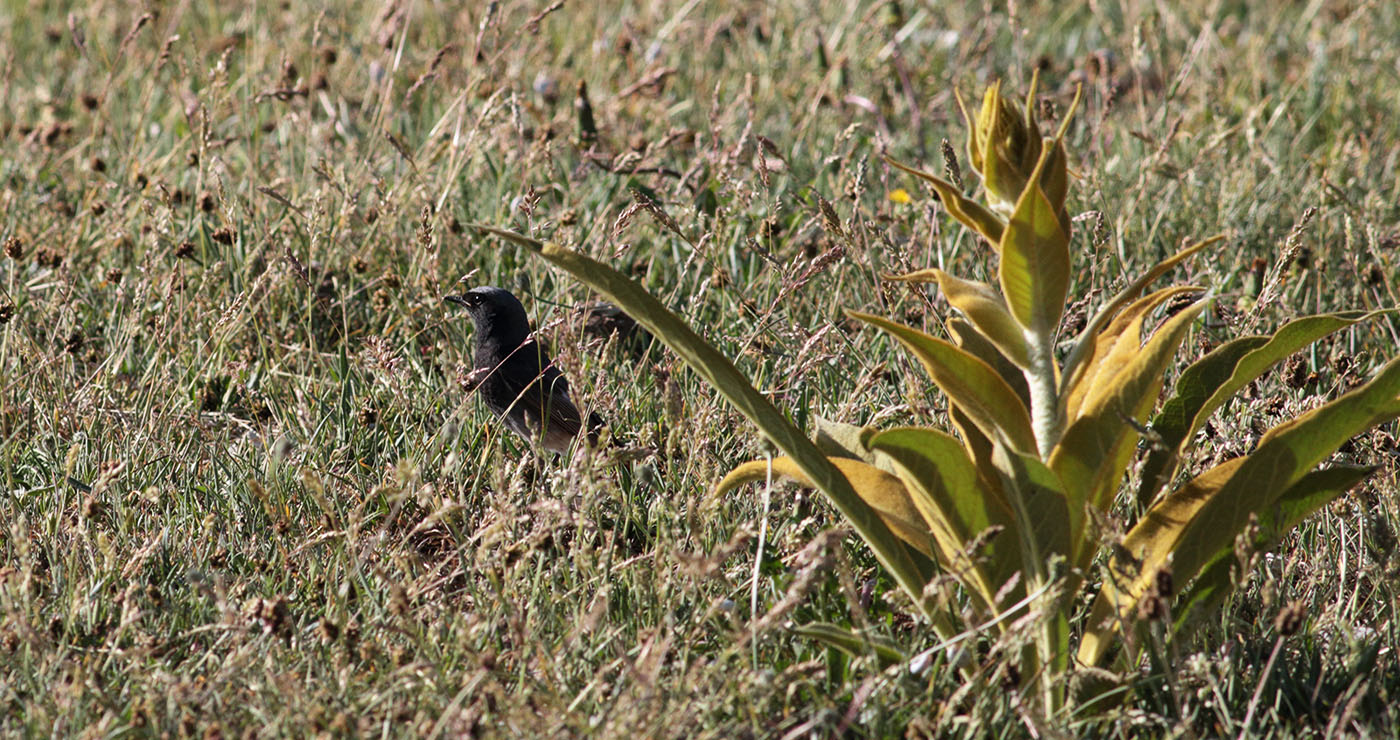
pixel 245 491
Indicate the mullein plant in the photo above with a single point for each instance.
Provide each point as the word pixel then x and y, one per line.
pixel 1014 507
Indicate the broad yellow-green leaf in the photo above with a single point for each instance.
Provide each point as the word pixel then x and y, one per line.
pixel 1054 181
pixel 969 212
pixel 944 486
pixel 1192 524
pixel 1085 343
pixel 1003 178
pixel 883 491
pixel 1114 348
pixel 978 446
pixel 1309 494
pixel 1034 269
pixel 979 449
pixel 1043 523
pixel 1010 148
pixel 982 306
pixel 1195 384
pixel 1146 549
pixel 1036 496
pixel 972 341
pixel 836 439
pixel 1208 383
pixel 1097 448
pixel 969 382
pixel 909 571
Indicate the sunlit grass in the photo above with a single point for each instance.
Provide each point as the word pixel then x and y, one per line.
pixel 245 489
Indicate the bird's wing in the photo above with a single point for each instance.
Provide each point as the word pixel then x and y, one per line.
pixel 534 387
pixel 561 412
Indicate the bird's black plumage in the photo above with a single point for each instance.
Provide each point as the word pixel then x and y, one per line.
pixel 517 380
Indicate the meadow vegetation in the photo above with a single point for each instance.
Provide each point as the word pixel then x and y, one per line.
pixel 246 492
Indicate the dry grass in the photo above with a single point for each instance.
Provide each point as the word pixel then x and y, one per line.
pixel 245 492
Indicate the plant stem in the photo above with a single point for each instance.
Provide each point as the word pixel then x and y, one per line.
pixel 1040 376
pixel 1045 424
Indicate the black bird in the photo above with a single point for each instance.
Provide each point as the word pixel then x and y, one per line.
pixel 515 376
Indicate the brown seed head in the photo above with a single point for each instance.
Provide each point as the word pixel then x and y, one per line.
pixel 328 630
pixel 1152 607
pixel 47 257
pixel 1163 582
pixel 1290 619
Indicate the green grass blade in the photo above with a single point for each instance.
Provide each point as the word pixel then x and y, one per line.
pixel 852 643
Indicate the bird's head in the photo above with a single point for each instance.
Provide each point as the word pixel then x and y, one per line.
pixel 495 312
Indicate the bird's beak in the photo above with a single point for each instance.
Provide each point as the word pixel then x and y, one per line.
pixel 459 300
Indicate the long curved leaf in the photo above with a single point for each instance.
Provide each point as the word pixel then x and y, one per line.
pixel 1096 449
pixel 836 439
pixel 1195 384
pixel 721 374
pixel 1129 294
pixel 1039 505
pixel 1145 549
pixel 1194 523
pixel 979 447
pixel 1043 525
pixel 1314 491
pixel 969 382
pixel 986 310
pixel 972 214
pixel 1212 380
pixel 853 643
pixel 944 485
pixel 974 343
pixel 1114 347
pixel 884 492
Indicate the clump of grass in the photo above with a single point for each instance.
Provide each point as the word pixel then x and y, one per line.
pixel 253 496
